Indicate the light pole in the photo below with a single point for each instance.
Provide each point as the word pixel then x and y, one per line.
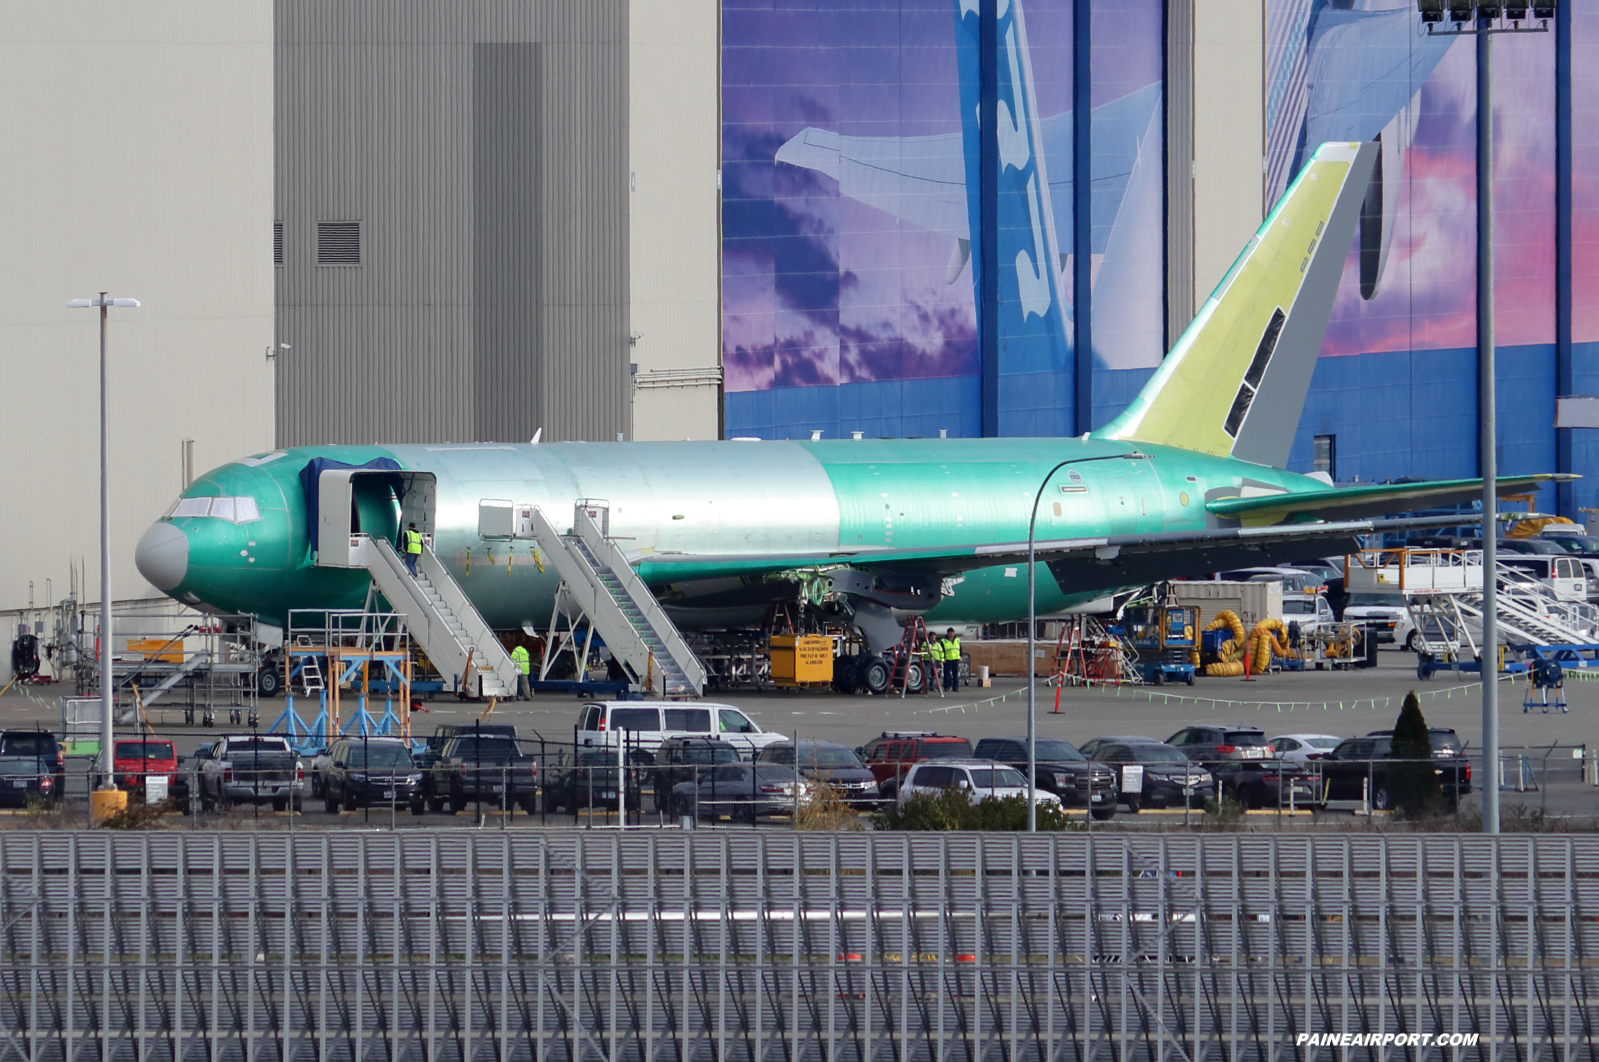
pixel 1483 21
pixel 107 690
pixel 1032 627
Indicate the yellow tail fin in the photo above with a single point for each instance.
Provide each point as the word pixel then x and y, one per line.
pixel 1235 383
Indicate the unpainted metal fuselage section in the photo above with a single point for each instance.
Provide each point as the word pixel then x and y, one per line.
pixel 736 504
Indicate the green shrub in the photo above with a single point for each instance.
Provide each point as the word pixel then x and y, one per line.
pixel 951 810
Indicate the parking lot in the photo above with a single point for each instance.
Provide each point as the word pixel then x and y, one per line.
pixel 1343 704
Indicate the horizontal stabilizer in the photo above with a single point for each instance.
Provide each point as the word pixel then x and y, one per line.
pixel 1376 500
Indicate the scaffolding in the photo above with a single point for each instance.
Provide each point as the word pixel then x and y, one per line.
pixel 344 659
pixel 207 666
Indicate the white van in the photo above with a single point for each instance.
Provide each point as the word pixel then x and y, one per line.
pixel 648 723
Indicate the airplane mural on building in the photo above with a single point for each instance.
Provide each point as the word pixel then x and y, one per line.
pixel 1343 70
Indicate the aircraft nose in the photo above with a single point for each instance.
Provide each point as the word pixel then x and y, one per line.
pixel 162 556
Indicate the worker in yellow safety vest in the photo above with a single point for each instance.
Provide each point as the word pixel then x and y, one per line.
pixel 413 548
pixel 524 668
pixel 952 659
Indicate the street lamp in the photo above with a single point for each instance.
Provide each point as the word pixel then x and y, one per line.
pixel 1483 21
pixel 1032 625
pixel 107 690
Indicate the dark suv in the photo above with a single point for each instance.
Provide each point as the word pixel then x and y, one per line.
pixel 367 772
pixel 1062 770
pixel 829 764
pixel 1359 767
pixel 40 746
pixel 890 756
pixel 1210 745
pixel 683 759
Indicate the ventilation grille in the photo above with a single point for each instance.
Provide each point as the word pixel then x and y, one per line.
pixel 277 243
pixel 338 243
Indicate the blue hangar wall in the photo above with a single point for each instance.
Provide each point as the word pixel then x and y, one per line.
pixel 856 297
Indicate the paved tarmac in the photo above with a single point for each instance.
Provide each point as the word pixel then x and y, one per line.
pixel 1341 703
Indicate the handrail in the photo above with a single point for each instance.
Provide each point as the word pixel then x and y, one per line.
pixel 651 609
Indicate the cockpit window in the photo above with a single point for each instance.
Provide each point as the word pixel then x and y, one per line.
pixel 233 510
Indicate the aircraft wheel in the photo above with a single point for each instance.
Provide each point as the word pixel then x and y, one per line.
pixel 875 675
pixel 915 678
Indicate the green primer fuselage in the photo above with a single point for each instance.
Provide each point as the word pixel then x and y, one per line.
pixel 738 505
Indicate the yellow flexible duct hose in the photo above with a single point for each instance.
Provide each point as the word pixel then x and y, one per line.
pixel 1269 637
pixel 1232 650
pixel 1224 670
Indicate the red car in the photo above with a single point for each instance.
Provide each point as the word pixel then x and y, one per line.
pixel 133 761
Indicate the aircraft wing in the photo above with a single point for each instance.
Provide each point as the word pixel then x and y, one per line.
pixel 1337 503
pixel 1078 564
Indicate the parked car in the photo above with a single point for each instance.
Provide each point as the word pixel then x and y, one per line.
pixel 742 791
pixel 648 723
pixel 445 731
pixel 1359 767
pixel 1062 770
pixel 25 780
pixel 139 761
pixel 590 779
pixel 1304 748
pixel 681 759
pixel 250 769
pixel 827 763
pixel 978 779
pixel 1294 580
pixel 893 753
pixel 1164 776
pixel 1209 745
pixel 1275 783
pixel 1387 613
pixel 368 772
pixel 474 768
pixel 39 745
pixel 1311 612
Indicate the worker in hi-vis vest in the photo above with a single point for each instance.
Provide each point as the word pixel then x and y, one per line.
pixel 952 660
pixel 524 670
pixel 413 548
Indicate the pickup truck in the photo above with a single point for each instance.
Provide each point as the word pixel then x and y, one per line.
pixel 442 734
pixel 1358 768
pixel 479 768
pixel 249 769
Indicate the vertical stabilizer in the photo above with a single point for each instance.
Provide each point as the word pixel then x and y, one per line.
pixel 1235 383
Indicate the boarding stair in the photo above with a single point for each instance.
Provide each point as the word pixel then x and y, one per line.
pixel 597 577
pixel 194 662
pixel 1443 590
pixel 440 617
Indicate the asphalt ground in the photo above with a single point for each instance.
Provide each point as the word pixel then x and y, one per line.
pixel 1341 703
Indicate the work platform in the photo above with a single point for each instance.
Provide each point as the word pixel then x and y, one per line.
pixel 328 650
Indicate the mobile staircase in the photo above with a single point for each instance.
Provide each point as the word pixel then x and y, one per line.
pixel 440 617
pixel 598 581
pixel 1443 592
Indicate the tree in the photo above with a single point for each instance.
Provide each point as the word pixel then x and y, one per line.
pixel 1413 786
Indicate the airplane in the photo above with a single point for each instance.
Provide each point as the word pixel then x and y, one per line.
pixel 1187 480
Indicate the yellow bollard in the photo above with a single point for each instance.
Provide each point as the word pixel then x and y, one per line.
pixel 104 803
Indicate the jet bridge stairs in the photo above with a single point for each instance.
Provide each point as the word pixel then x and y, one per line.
pixel 599 584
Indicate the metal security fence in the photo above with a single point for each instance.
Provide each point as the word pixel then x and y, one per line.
pixel 733 945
